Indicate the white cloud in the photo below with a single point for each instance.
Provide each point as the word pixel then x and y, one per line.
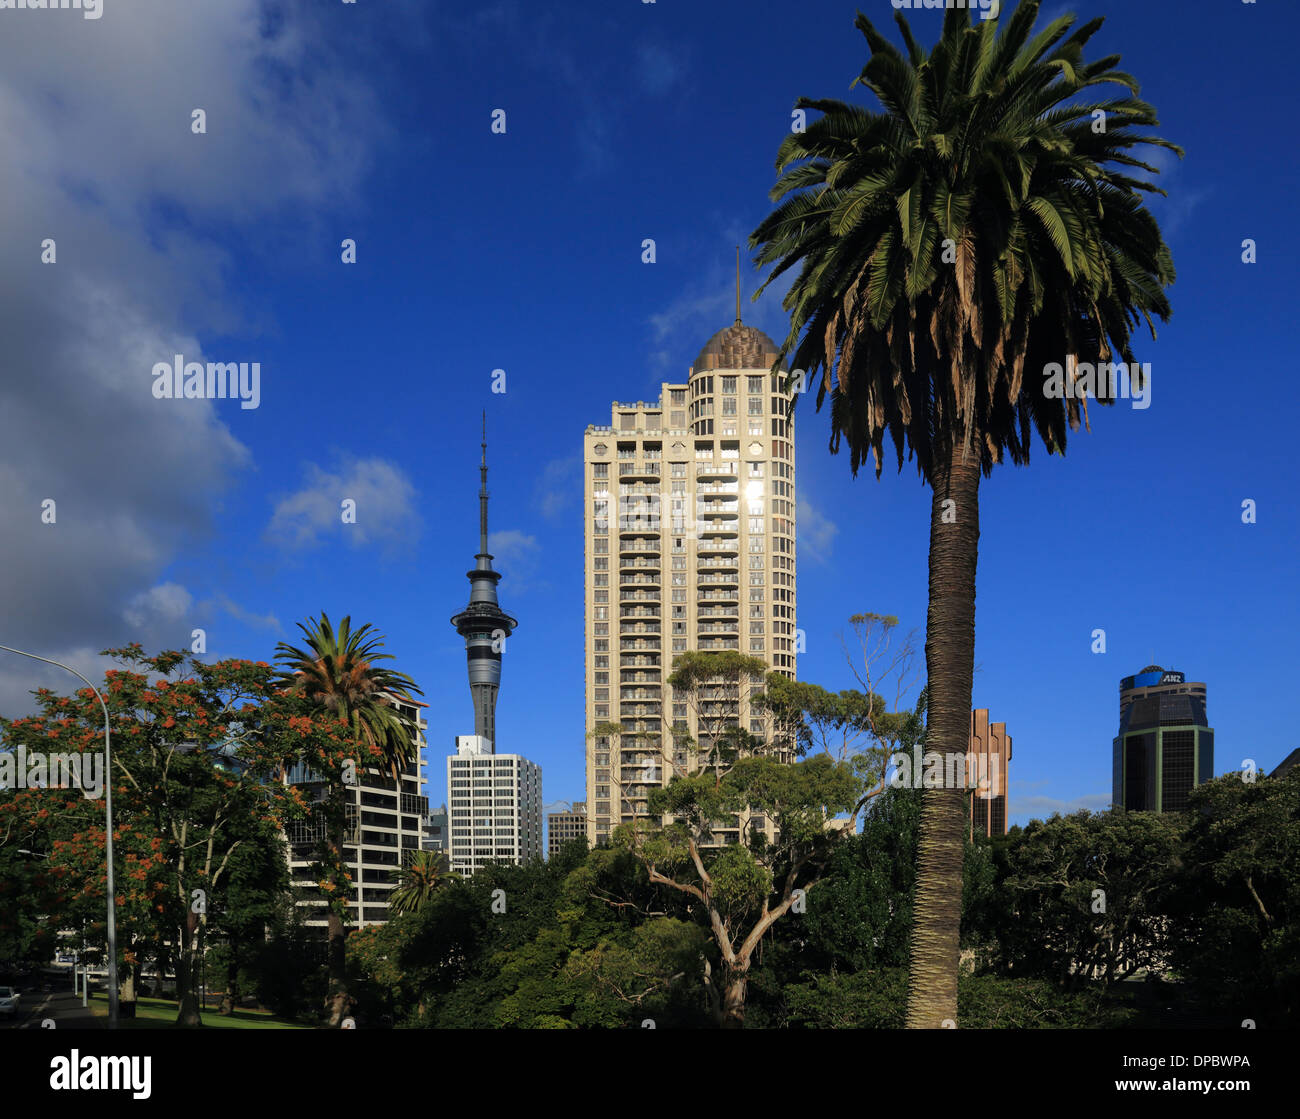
pixel 384 506
pixel 167 602
pixel 20 676
pixel 515 554
pixel 256 621
pixel 559 486
pixel 510 546
pixel 141 210
pixel 816 533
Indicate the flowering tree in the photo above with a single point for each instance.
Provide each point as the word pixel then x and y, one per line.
pixel 199 752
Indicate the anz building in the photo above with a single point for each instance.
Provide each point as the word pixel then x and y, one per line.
pixel 1165 746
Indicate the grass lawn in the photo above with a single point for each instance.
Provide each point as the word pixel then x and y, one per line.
pixel 160 1014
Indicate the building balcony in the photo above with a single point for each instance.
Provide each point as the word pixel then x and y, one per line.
pixel 650 644
pixel 723 470
pixel 639 469
pixel 639 710
pixel 720 596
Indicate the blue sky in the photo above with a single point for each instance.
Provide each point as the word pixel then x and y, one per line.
pixel 479 251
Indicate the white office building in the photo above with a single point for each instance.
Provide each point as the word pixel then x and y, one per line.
pixel 494 806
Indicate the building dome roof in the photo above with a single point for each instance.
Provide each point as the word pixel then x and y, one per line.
pixel 1152 668
pixel 737 347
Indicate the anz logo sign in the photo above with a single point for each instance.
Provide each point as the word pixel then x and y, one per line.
pixel 1172 678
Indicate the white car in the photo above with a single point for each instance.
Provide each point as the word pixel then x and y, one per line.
pixel 8 1001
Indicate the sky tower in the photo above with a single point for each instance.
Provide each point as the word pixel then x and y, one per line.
pixel 483 624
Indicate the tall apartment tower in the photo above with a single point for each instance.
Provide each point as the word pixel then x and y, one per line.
pixel 988 763
pixel 690 545
pixel 1165 746
pixel 483 624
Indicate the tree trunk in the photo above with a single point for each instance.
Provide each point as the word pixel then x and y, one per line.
pixel 950 665
pixel 186 974
pixel 128 990
pixel 337 1002
pixel 733 1001
pixel 230 999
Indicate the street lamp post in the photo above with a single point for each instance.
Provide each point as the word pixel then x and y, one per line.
pixel 108 834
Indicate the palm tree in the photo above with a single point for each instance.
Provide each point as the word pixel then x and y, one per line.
pixel 426 872
pixel 954 246
pixel 337 673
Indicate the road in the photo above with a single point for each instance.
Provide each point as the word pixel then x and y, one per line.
pixel 60 1006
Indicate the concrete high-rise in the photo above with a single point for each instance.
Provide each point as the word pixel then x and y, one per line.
pixel 690 545
pixel 483 624
pixel 437 834
pixel 1165 746
pixel 564 827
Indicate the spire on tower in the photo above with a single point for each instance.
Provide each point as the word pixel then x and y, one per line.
pixel 483 624
pixel 483 495
pixel 737 285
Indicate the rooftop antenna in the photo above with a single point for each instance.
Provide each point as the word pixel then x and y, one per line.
pixel 737 285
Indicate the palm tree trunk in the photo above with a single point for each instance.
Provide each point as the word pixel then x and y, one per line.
pixel 337 1002
pixel 950 665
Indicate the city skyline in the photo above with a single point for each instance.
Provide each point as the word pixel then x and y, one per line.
pixel 214 517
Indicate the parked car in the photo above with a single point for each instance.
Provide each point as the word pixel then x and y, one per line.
pixel 8 1002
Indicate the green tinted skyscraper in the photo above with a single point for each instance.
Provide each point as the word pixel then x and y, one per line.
pixel 1165 746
